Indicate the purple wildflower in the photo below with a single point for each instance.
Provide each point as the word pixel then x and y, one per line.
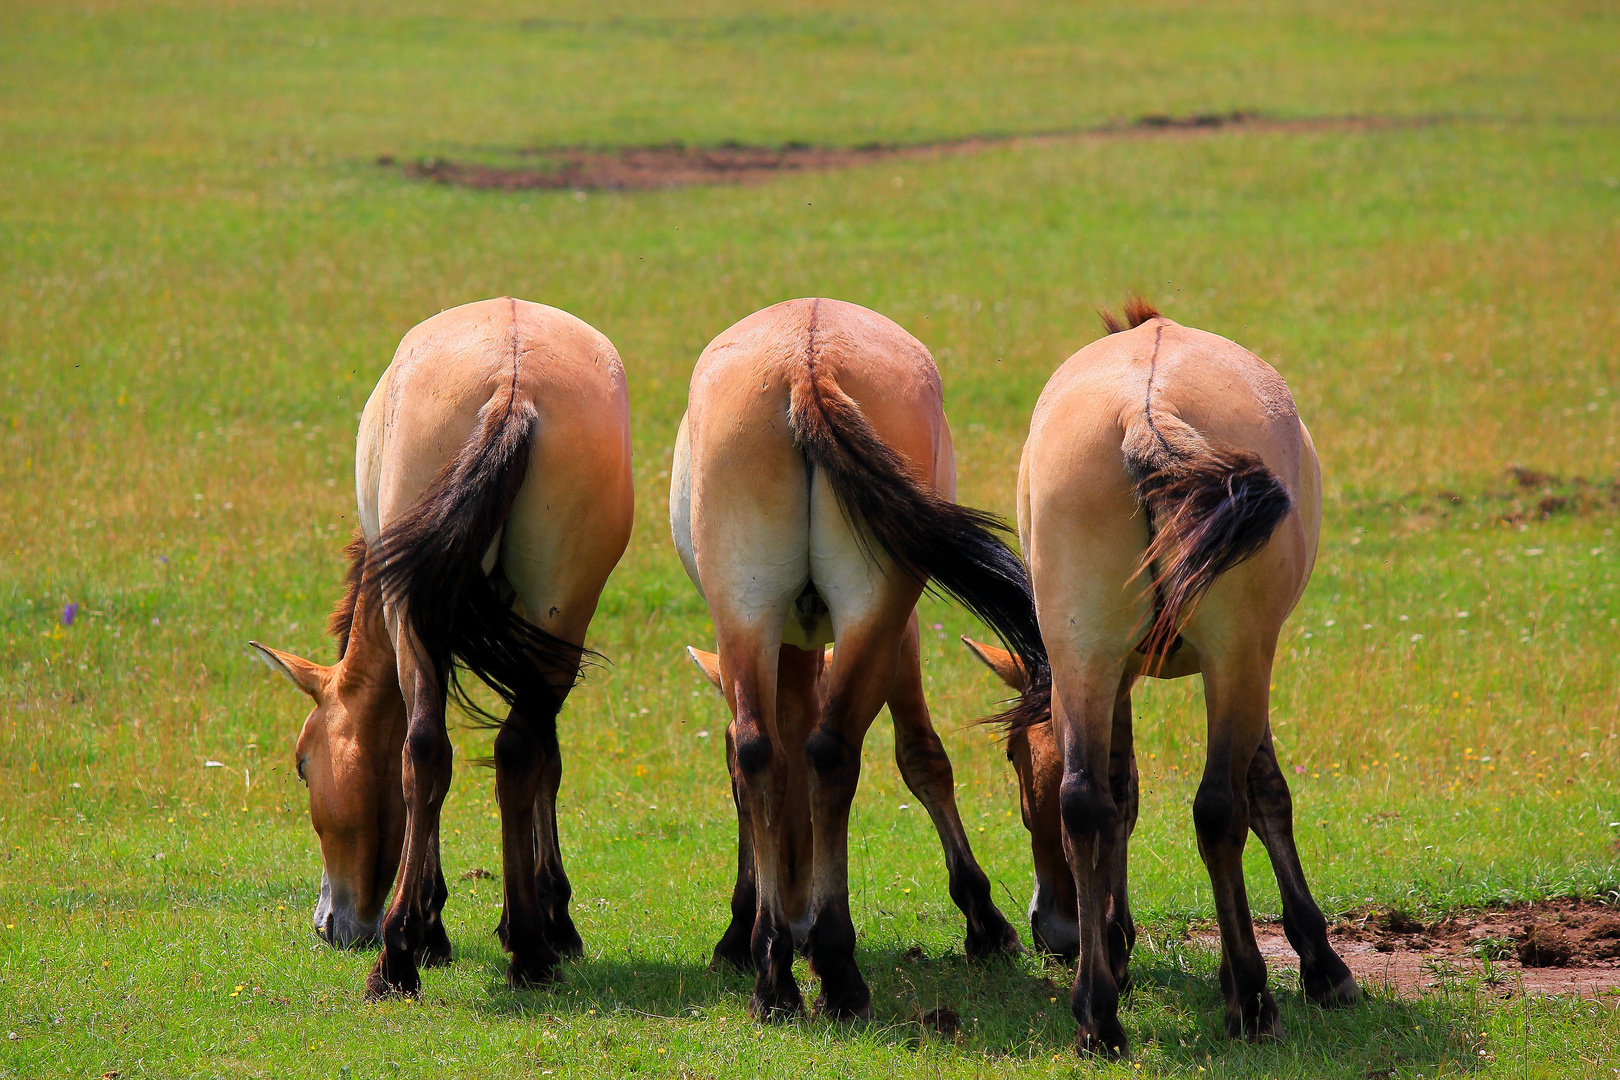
pixel 1299 770
pixel 70 611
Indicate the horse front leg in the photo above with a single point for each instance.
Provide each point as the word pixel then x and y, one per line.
pixel 426 766
pixel 436 950
pixel 927 772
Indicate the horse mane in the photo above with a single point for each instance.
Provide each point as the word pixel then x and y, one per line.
pixel 1137 312
pixel 341 622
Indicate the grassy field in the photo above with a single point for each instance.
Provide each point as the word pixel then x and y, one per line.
pixel 204 273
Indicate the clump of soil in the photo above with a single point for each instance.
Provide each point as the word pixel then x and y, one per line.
pixel 1555 947
pixel 1544 946
pixel 636 168
pixel 1534 495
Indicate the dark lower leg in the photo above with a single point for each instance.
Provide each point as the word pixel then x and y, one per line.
pixel 830 945
pixel 1084 699
pixel 770 944
pixel 1090 825
pixel 436 943
pixel 1053 915
pixel 1122 783
pixel 551 882
pixel 526 741
pixel 426 779
pixel 1322 973
pixel 927 772
pixel 734 949
pixel 1220 812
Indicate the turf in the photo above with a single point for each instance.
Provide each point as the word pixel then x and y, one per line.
pixel 205 272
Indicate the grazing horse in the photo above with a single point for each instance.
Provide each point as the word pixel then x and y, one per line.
pixel 493 477
pixel 1170 456
pixel 810 501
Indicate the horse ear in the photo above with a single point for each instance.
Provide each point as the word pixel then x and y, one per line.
pixel 1000 661
pixel 303 674
pixel 708 663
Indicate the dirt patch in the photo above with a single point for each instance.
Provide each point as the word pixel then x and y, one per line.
pixel 1557 947
pixel 638 168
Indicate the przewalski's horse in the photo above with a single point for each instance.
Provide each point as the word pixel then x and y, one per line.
pixel 493 476
pixel 810 501
pixel 1168 485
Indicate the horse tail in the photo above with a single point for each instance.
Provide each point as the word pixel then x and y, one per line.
pixel 1210 507
pixel 951 548
pixel 429 564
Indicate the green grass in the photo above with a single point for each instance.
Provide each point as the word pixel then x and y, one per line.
pixel 204 274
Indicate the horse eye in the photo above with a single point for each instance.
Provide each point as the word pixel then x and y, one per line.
pixel 301 775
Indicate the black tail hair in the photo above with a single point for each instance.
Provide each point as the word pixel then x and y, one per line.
pixel 429 562
pixel 1210 512
pixel 953 548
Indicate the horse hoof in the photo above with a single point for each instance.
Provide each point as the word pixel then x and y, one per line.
pixel 777 1006
pixel 436 953
pixel 380 986
pixel 1343 993
pixel 1260 1022
pixel 562 936
pixel 993 942
pixel 1101 1040
pixel 852 1004
pixel 732 957
pixel 523 974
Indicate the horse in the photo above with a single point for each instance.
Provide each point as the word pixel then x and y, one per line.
pixel 810 502
pixel 493 478
pixel 1170 454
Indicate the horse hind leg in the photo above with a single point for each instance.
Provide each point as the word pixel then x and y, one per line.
pixel 1083 703
pixel 1323 974
pixel 551 881
pixel 1122 782
pixel 525 747
pixel 927 773
pixel 1235 688
pixel 748 669
pixel 733 949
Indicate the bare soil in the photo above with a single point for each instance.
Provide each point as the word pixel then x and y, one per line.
pixel 635 168
pixel 1556 947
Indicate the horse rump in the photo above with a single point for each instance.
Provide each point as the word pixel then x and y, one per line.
pixel 954 549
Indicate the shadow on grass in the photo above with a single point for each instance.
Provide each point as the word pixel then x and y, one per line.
pixel 1018 1009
